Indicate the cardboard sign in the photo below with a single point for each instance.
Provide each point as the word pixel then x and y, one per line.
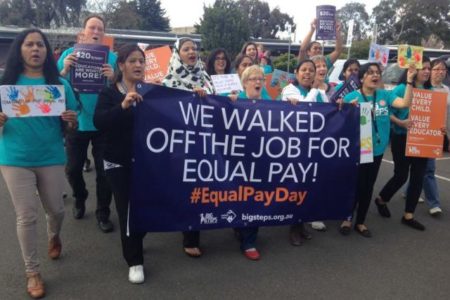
pixel 428 112
pixel 410 56
pixel 226 83
pixel 32 100
pixel 157 64
pixel 326 22
pixel 276 81
pixel 366 134
pixel 378 54
pixel 86 76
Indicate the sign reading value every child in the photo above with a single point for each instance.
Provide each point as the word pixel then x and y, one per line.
pixel 428 115
pixel 203 163
pixel 86 76
pixel 32 100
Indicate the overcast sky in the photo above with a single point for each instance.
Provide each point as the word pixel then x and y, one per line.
pixel 187 13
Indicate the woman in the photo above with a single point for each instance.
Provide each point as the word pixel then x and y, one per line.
pixel 242 62
pixel 77 143
pixel 114 117
pixel 32 153
pixel 351 67
pixel 305 89
pixel 251 49
pixel 382 103
pixel 218 62
pixel 186 73
pixel 403 165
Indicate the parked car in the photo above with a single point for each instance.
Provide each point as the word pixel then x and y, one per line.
pixel 336 69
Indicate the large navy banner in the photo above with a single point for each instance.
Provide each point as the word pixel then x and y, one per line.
pixel 203 163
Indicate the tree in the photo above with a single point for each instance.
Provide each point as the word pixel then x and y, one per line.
pixel 263 22
pixel 153 16
pixel 360 49
pixel 411 21
pixel 124 16
pixel 357 12
pixel 223 25
pixel 281 62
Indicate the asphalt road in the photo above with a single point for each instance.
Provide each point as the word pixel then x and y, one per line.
pixel 397 263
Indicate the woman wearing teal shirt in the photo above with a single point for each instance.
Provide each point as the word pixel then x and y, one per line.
pixel 382 103
pixel 32 154
pixel 403 166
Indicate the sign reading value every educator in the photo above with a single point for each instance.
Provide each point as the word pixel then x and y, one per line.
pixel 86 76
pixel 204 163
pixel 428 115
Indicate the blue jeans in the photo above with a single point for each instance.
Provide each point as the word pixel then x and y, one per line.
pixel 430 188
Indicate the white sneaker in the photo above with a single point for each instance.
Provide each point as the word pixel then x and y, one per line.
pixel 136 274
pixel 318 225
pixel 421 200
pixel 435 211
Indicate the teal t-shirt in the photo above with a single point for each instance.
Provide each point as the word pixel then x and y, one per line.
pixel 88 101
pixel 383 107
pixel 339 85
pixel 243 95
pixel 35 141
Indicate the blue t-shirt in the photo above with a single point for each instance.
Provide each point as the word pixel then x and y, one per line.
pixel 383 106
pixel 35 141
pixel 88 101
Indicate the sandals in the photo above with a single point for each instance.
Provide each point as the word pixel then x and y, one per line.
pixel 193 252
pixel 364 232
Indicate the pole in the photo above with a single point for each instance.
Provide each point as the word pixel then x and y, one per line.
pixel 289 48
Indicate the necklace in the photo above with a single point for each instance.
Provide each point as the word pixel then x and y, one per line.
pixel 123 87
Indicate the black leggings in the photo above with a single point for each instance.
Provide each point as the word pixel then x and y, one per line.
pixel 404 165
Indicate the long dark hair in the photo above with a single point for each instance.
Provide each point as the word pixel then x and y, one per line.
pixel 244 50
pixel 347 64
pixel 212 58
pixel 239 58
pixel 404 76
pixel 14 62
pixel 122 54
pixel 300 63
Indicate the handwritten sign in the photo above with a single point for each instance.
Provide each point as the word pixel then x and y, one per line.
pixel 410 56
pixel 157 64
pixel 378 54
pixel 86 76
pixel 366 134
pixel 226 83
pixel 428 113
pixel 326 22
pixel 32 100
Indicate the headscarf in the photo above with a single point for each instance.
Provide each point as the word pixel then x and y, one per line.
pixel 184 77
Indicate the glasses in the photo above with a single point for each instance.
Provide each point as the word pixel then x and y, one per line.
pixel 254 79
pixel 370 72
pixel 220 58
pixel 439 70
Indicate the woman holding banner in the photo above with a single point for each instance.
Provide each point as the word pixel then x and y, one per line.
pixel 404 165
pixel 382 103
pixel 32 153
pixel 186 73
pixel 114 117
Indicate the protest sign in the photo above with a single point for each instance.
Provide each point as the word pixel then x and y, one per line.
pixel 326 22
pixel 157 64
pixel 226 83
pixel 352 84
pixel 32 100
pixel 366 133
pixel 276 81
pixel 410 55
pixel 379 54
pixel 108 40
pixel 86 76
pixel 428 114
pixel 204 163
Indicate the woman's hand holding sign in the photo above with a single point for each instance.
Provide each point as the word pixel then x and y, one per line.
pixel 130 99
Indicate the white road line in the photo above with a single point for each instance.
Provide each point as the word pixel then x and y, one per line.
pixel 437 176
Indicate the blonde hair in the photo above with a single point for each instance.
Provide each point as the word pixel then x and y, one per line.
pixel 250 71
pixel 317 58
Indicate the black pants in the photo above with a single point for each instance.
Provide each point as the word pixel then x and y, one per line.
pixel 404 165
pixel 367 175
pixel 191 239
pixel 77 144
pixel 132 248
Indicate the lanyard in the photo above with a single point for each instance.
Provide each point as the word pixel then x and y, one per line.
pixel 372 112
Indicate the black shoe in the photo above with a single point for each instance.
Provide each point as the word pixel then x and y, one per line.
pixel 106 226
pixel 365 232
pixel 304 233
pixel 345 230
pixel 383 210
pixel 78 211
pixel 413 224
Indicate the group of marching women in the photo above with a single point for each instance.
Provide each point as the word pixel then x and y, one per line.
pixel 33 158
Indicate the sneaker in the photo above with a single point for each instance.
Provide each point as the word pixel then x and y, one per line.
pixel 252 254
pixel 435 211
pixel 318 225
pixel 421 200
pixel 413 224
pixel 136 274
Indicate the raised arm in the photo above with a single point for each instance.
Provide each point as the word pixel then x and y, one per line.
pixel 338 47
pixel 305 42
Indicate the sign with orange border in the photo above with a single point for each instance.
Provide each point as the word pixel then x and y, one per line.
pixel 428 115
pixel 157 64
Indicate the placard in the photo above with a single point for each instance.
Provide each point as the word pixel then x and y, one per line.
pixel 366 144
pixel 410 55
pixel 226 83
pixel 157 64
pixel 326 22
pixel 379 54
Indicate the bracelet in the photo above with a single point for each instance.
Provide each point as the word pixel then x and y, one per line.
pixel 410 83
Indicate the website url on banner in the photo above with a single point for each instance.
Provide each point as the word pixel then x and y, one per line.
pixel 266 218
pixel 205 196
